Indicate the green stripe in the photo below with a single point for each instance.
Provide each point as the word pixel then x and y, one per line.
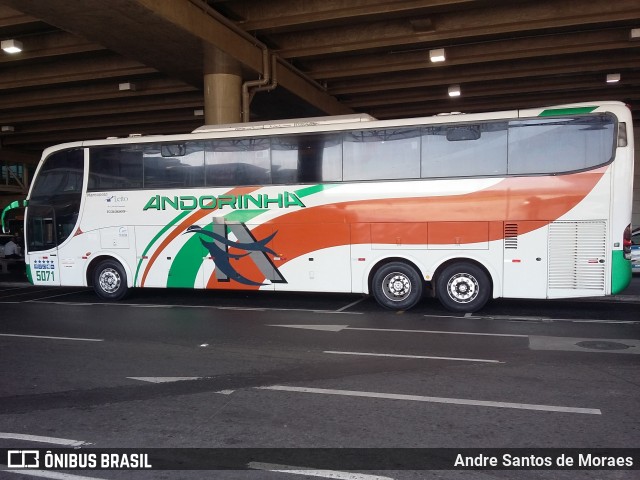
pixel 154 239
pixel 243 215
pixel 620 272
pixel 306 191
pixel 567 111
pixel 183 272
pixel 184 268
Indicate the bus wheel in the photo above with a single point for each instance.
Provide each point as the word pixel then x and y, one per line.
pixel 110 280
pixel 463 287
pixel 397 286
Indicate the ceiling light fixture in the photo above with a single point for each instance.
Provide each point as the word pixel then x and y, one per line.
pixel 635 34
pixel 454 91
pixel 613 78
pixel 437 55
pixel 198 112
pixel 11 46
pixel 128 86
pixel 7 129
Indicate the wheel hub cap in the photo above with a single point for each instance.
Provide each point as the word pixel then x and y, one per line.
pixel 397 286
pixel 463 288
pixel 109 280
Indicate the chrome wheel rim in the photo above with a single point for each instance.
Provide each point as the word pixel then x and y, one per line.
pixel 109 280
pixel 396 286
pixel 463 288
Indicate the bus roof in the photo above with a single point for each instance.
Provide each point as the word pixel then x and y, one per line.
pixel 338 123
pixel 288 123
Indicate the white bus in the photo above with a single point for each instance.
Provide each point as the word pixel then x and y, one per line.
pixel 519 204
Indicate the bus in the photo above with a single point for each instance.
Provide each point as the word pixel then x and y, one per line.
pixel 532 204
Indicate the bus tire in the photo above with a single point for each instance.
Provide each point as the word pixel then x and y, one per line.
pixel 397 286
pixel 110 280
pixel 463 287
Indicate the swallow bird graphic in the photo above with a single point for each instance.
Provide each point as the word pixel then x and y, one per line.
pixel 218 248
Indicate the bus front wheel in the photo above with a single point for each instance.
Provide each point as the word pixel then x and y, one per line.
pixel 110 280
pixel 463 287
pixel 397 286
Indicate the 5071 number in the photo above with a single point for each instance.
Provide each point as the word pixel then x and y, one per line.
pixel 45 276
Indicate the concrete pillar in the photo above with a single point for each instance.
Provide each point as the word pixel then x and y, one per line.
pixel 222 87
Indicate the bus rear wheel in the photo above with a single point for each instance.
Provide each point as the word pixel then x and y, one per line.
pixel 397 286
pixel 463 287
pixel 110 280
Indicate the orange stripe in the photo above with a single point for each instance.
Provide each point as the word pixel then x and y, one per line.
pixel 186 223
pixel 539 199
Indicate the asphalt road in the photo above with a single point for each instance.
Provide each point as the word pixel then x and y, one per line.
pixel 188 369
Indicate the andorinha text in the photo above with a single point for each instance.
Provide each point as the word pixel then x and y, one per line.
pixel 235 202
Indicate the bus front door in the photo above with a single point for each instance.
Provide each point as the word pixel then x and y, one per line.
pixel 41 258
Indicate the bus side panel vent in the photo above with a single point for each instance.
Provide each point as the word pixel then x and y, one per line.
pixel 511 236
pixel 577 256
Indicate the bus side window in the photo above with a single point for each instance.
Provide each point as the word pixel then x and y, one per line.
pixel 556 144
pixel 464 150
pixel 388 154
pixel 238 161
pixel 176 165
pixel 306 158
pixel 115 168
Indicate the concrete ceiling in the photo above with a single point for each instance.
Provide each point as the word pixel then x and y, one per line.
pixel 335 56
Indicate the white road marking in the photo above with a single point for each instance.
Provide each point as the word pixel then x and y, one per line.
pixel 512 317
pixel 418 398
pixel 239 309
pixel 52 338
pixel 25 293
pixel 211 307
pixel 177 379
pixel 440 332
pixel 59 295
pixel 552 320
pixel 364 354
pixel 352 304
pixel 2 290
pixel 271 467
pixel 339 328
pixel 164 379
pixel 40 439
pixel 152 306
pixel 628 322
pixel 325 328
pixel 49 474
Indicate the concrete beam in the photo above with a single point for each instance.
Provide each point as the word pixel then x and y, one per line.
pixel 167 36
pixel 188 16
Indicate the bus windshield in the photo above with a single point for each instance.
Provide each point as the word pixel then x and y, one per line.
pixel 55 200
